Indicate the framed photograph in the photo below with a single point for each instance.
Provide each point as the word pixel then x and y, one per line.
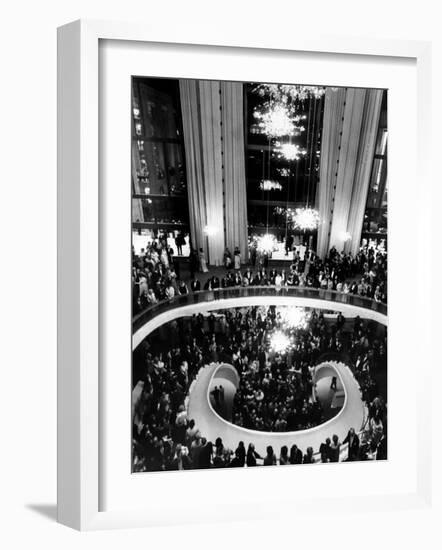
pixel 231 222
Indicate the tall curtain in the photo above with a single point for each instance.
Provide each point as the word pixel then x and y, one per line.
pixel 235 199
pixel 331 138
pixel 189 93
pixel 361 183
pixel 200 106
pixel 210 104
pixel 348 157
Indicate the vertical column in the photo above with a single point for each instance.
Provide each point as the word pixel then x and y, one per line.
pixel 189 94
pixel 235 199
pixel 366 152
pixel 210 103
pixel 330 146
pixel 348 157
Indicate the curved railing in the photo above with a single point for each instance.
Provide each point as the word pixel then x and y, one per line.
pixel 252 291
pixel 211 423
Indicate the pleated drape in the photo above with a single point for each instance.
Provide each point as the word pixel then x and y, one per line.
pixel 235 199
pixel 348 156
pixel 212 166
pixel 212 114
pixel 351 118
pixel 189 93
pixel 367 144
pixel 334 104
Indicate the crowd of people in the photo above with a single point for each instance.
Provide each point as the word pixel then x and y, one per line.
pixel 156 273
pixel 275 392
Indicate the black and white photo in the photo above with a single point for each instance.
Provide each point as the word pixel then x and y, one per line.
pixel 259 274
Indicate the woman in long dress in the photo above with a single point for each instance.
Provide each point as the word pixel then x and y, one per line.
pixel 203 263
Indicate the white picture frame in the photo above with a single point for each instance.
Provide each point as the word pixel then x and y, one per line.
pixel 79 295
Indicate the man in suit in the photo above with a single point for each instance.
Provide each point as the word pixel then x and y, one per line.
pixel 353 445
pixel 295 455
pixel 216 396
pixel 195 285
pixel 324 450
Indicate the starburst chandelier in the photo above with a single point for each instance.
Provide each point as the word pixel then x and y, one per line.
pixel 276 121
pixel 290 151
pixel 266 243
pixel 289 92
pixel 294 317
pixel 279 341
pixel 284 172
pixel 304 218
pixel 270 185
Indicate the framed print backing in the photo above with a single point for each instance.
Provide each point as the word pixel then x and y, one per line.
pixel 97 487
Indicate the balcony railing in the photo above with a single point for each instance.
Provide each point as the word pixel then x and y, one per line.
pixel 252 291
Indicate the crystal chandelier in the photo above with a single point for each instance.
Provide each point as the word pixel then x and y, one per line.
pixel 284 172
pixel 277 122
pixel 293 317
pixel 279 341
pixel 266 243
pixel 304 218
pixel 290 151
pixel 270 185
pixel 286 92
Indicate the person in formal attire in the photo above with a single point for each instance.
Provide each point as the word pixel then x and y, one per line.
pixel 203 262
pixel 170 291
pixel 295 455
pixel 227 258
pixel 182 288
pixel 195 285
pixel 193 262
pixel 205 454
pixel 221 395
pixel 308 457
pixel 239 459
pixel 376 429
pixel 324 450
pixel 179 242
pixel 353 445
pixel 252 250
pixel 216 396
pixel 252 455
pixel 181 460
pixel 237 258
pixel 288 244
pixel 335 448
pixel 270 458
pixel 284 456
pixel 195 449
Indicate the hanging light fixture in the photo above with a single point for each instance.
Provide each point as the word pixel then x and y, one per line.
pixel 284 172
pixel 277 122
pixel 286 92
pixel 294 317
pixel 304 218
pixel 266 243
pixel 270 185
pixel 290 151
pixel 279 341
